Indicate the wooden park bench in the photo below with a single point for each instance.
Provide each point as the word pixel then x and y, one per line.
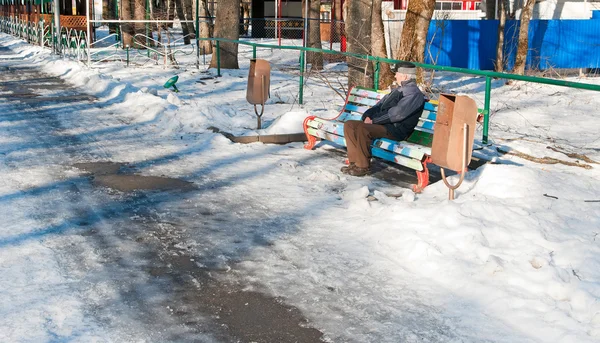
pixel 414 153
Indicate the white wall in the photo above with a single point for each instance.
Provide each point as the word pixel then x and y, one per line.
pixel 559 9
pixel 393 20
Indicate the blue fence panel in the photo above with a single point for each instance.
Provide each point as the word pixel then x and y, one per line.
pixel 462 43
pixel 552 43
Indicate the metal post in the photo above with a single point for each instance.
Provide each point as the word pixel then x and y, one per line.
pixel 496 10
pixel 117 16
pixel 89 37
pixel 305 27
pixel 301 94
pixel 277 20
pixel 127 55
pixel 376 76
pixel 41 35
pixel 253 51
pixel 463 171
pixel 197 35
pixel 56 24
pixel 486 108
pixel 218 59
pixel 147 16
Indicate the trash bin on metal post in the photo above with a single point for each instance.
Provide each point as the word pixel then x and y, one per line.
pixel 258 91
pixel 453 136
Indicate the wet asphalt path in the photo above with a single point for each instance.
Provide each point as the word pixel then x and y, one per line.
pixel 158 291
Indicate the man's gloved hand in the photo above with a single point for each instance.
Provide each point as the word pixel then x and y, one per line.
pixel 368 113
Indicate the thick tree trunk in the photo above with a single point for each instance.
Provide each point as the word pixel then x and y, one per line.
pixel 414 32
pixel 315 59
pixel 140 28
pixel 226 26
pixel 108 12
pixel 358 33
pixel 378 46
pixel 170 11
pixel 206 28
pixel 523 46
pixel 127 28
pixel 184 26
pixel 502 12
pixel 189 15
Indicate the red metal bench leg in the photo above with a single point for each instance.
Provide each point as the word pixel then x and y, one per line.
pixel 312 140
pixel 422 177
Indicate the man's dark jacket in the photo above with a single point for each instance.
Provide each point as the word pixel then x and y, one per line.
pixel 399 111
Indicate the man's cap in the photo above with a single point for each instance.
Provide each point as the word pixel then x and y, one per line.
pixel 405 68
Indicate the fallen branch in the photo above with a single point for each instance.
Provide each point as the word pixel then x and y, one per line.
pixel 573 155
pixel 543 160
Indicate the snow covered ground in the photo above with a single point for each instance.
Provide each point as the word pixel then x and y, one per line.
pixel 515 258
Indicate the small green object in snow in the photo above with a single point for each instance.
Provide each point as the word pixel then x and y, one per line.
pixel 171 83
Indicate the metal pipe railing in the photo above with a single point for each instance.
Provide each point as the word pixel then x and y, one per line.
pixel 377 60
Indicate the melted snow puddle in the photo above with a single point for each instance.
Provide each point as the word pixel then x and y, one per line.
pixel 110 174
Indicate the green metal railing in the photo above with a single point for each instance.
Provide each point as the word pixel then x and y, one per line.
pixel 489 75
pixel 13 27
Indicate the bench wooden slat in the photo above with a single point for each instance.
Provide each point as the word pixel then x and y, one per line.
pixel 426 126
pixel 327 135
pixel 356 108
pixel 327 126
pixel 368 93
pixel 429 115
pixel 430 106
pixel 403 148
pixel 349 116
pixel 421 138
pixel 399 159
pixel 362 101
pixel 430 132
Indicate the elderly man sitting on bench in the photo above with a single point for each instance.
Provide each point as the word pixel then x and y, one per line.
pixel 395 117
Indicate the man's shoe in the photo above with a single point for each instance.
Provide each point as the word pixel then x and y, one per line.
pixel 358 171
pixel 346 169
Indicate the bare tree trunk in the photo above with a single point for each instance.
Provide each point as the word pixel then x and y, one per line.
pixel 246 15
pixel 226 26
pixel 140 28
pixel 170 11
pixel 189 15
pixel 414 32
pixel 127 28
pixel 502 11
pixel 378 46
pixel 206 27
pixel 184 26
pixel 523 46
pixel 108 12
pixel 315 59
pixel 358 33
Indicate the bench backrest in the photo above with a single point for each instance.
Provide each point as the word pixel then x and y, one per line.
pixel 360 99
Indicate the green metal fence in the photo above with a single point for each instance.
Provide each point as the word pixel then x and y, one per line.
pixel 76 45
pixel 489 75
